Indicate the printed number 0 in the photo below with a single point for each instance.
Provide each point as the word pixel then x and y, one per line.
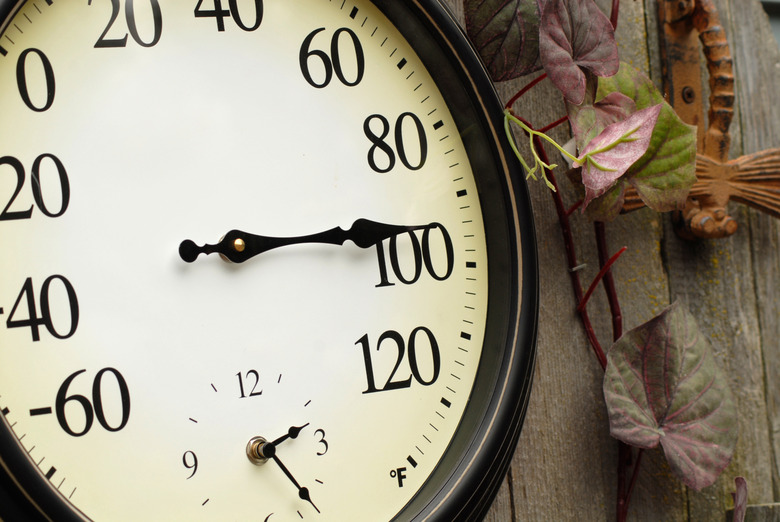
pixel 21 80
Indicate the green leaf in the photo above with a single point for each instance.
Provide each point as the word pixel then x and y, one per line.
pixel 506 34
pixel 633 84
pixel 664 176
pixel 663 385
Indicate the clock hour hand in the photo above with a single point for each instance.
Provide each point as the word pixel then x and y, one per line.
pixel 292 433
pixel 238 246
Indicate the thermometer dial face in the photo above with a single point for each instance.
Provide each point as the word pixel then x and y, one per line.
pixel 352 364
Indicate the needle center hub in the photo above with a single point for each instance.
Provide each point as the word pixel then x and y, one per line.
pixel 259 450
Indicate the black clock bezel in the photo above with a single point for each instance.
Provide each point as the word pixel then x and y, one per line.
pixel 471 471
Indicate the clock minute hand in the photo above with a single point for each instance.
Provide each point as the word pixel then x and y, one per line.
pixel 238 246
pixel 303 492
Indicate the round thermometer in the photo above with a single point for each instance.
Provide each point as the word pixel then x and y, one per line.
pixel 262 260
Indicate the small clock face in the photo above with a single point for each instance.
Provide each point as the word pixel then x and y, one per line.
pixel 354 365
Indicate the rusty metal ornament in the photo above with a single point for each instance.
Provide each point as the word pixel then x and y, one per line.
pixel 754 179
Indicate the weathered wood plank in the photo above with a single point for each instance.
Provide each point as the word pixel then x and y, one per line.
pixel 759 513
pixel 565 464
pixel 759 98
pixel 717 280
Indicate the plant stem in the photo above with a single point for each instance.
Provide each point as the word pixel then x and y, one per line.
pixel 624 450
pixel 523 124
pixel 571 256
pixel 624 490
pixel 609 281
pixel 554 124
pixel 615 10
pixel 625 455
pixel 624 461
pixel 634 476
pixel 602 275
pixel 573 208
pixel 625 487
pixel 525 90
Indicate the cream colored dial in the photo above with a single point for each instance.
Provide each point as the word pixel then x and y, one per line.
pixel 135 381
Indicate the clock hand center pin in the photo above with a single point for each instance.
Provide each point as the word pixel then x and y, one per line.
pixel 237 246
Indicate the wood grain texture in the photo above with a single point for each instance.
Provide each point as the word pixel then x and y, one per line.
pixel 759 513
pixel 719 281
pixel 565 464
pixel 759 97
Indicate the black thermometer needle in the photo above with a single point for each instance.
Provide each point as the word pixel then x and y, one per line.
pixel 238 246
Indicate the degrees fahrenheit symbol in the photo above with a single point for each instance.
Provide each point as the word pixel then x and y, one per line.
pixel 238 246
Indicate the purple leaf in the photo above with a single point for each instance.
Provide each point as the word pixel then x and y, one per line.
pixel 575 35
pixel 588 120
pixel 662 384
pixel 610 154
pixel 740 499
pixel 506 34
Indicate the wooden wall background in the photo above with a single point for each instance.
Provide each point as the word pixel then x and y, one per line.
pixel 565 464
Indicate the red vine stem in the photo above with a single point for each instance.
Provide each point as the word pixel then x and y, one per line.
pixel 634 476
pixel 614 17
pixel 624 462
pixel 571 255
pixel 524 90
pixel 609 281
pixel 553 124
pixel 604 274
pixel 624 493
